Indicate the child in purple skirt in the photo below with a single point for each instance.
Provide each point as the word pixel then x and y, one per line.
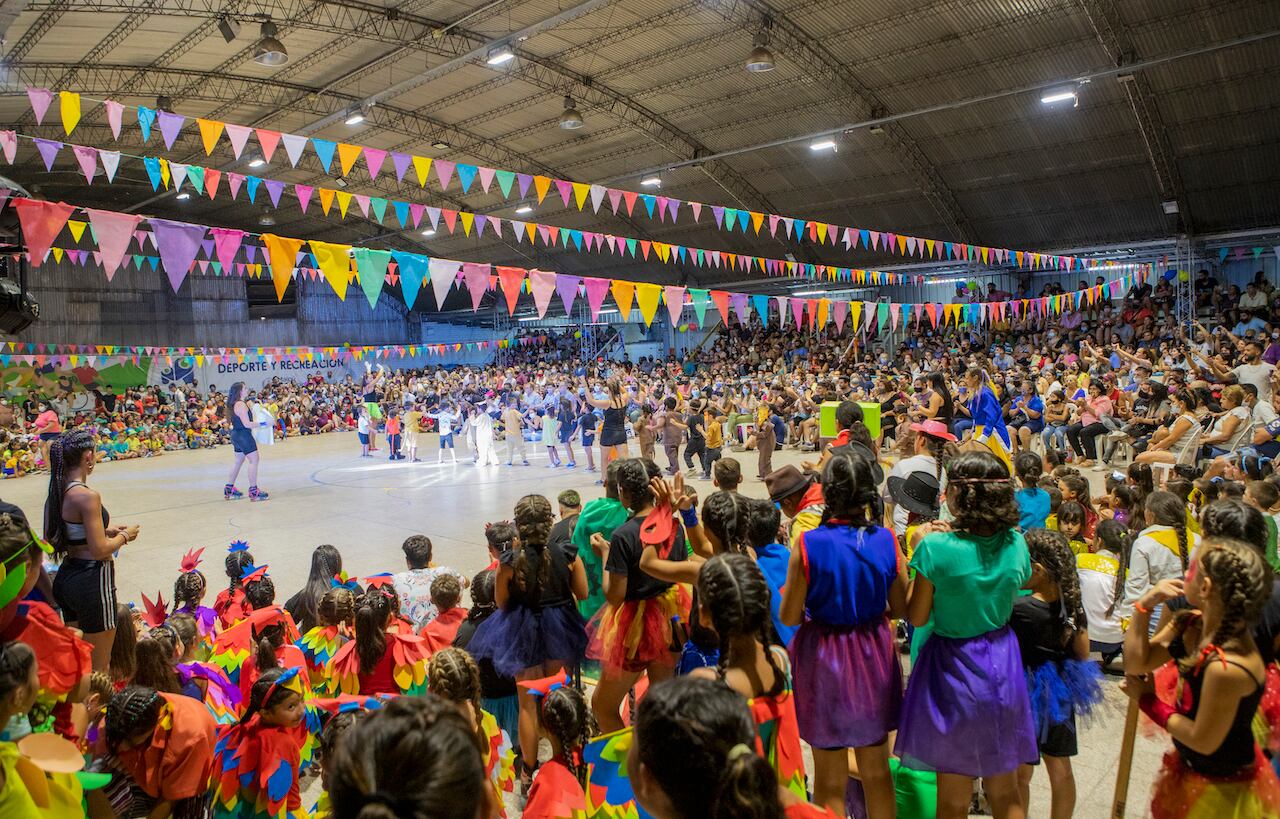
pixel 966 713
pixel 843 576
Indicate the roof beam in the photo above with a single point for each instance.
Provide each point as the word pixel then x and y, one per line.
pixel 1115 40
pixel 789 39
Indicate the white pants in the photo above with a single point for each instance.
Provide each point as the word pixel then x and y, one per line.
pixel 486 453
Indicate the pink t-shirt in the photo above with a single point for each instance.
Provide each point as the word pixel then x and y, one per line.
pixel 47 421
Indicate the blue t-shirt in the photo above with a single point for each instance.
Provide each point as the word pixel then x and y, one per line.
pixel 1033 508
pixel 1035 405
pixel 849 571
pixel 773 560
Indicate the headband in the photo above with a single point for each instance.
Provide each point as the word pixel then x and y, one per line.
pixel 979 480
pixel 288 680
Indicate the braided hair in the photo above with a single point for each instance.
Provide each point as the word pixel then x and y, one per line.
pixel 258 699
pixel 235 565
pixel 980 494
pixel 761 525
pixel 1050 550
pixel 565 716
pixel 338 606
pixel 482 586
pixel 634 475
pixel 1114 536
pixel 533 519
pixel 687 733
pixel 732 589
pixel 188 590
pixel 373 611
pixel 1242 580
pixel 260 593
pixel 132 712
pixel 326 562
pixel 721 516
pixel 501 536
pixel 413 757
pixel 1167 510
pixel 65 454
pixel 454 675
pixel 1236 520
pixel 849 488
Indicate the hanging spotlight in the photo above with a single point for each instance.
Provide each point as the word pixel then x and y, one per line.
pixel 266 219
pixel 341 182
pixel 257 162
pixel 1061 96
pixel 355 115
pixel 654 181
pixel 228 27
pixel 500 54
pixel 269 51
pixel 429 232
pixel 761 58
pixel 570 117
pixel 823 145
pixel 440 146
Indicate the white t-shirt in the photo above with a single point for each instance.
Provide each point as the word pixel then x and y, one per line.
pixel 1097 574
pixel 362 425
pixel 1263 414
pixel 1258 375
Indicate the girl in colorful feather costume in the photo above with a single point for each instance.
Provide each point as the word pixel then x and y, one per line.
pixel 188 595
pixel 381 659
pixel 229 604
pixel 267 633
pixel 165 662
pixel 258 759
pixel 336 614
pixel 565 719
pixel 454 675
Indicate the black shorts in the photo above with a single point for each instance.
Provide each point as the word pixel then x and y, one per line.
pixel 242 440
pixel 49 436
pixel 85 590
pixel 1060 738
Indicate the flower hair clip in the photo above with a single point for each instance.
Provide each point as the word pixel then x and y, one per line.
pixel 341 581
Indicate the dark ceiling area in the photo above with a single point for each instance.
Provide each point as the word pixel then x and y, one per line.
pixel 951 137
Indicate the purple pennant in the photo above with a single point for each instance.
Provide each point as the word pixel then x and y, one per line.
pixel 524 180
pixel 274 188
pixel 401 163
pixel 178 243
pixel 251 253
pixel 48 151
pixel 170 126
pixel 567 290
pixel 207 246
pixel 739 303
pixel 304 196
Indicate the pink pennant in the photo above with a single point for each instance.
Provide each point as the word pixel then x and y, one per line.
pixel 566 190
pixel 674 298
pixel 415 211
pixel 87 157
pixel 841 311
pixel 115 115
pixel 486 177
pixel 797 311
pixel 40 100
pixel 113 232
pixel 542 285
pixel 268 140
pixel 9 142
pixel 234 181
pixel 597 289
pixel 373 158
pixel 567 290
pixel 615 199
pixel 304 196
pixel 477 278
pixel 363 201
pixel 444 172
pixel 227 243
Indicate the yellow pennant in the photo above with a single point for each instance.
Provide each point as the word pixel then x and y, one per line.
pixel 347 156
pixel 69 103
pixel 210 132
pixel 421 165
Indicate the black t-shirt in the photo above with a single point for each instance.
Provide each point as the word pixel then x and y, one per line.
pixel 1267 630
pixel 625 549
pixel 1040 629
pixel 562 537
pixel 694 420
pixel 554 591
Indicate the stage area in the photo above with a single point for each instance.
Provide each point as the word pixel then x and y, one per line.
pixel 322 491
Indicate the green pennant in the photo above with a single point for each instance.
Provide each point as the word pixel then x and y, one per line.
pixel 371 265
pixel 505 178
pixel 631 247
pixel 195 175
pixel 379 206
pixel 700 298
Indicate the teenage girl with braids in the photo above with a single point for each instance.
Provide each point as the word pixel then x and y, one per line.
pixel 381 659
pixel 454 675
pixel 537 629
pixel 320 644
pixel 632 634
pixel 63 659
pixel 258 759
pixel 1215 767
pixel 1101 573
pixel 78 526
pixel 1161 551
pixel 735 606
pixel 1050 624
pixel 564 718
pixel 844 575
pixel 966 713
pixel 229 604
pixel 692 757
pixel 414 756
pixel 160 745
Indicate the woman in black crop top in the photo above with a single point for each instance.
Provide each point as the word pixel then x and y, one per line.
pixel 1215 761
pixel 537 630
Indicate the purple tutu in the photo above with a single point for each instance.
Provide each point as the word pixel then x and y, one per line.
pixel 966 710
pixel 521 638
pixel 848 684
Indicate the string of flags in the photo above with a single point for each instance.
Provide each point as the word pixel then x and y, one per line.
pixel 180 244
pixel 38 354
pixel 666 208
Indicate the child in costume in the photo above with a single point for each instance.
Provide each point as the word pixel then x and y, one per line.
pixel 537 629
pixel 692 757
pixel 735 603
pixel 1161 551
pixel 1051 626
pixel 966 712
pixel 454 675
pixel 161 745
pixel 440 631
pixel 188 595
pixel 258 759
pixel 565 720
pixel 497 692
pixel 336 614
pixel 262 640
pixel 1071 523
pixel 844 575
pixel 381 659
pixel 1215 768
pixel 1101 573
pixel 603 516
pixel 229 603
pixel 631 635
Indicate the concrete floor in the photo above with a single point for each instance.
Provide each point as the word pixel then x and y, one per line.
pixel 323 492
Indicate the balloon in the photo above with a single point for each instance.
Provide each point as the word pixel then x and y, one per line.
pixel 973 285
pixel 692 326
pixel 1184 275
pixel 684 328
pixel 1169 274
pixel 578 334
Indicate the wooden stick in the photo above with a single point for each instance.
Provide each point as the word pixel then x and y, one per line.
pixel 1125 765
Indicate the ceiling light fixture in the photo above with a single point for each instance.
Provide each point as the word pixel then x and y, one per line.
pixel 269 51
pixel 440 146
pixel 266 219
pixel 182 197
pixel 1059 96
pixel 429 232
pixel 164 103
pixel 523 209
pixel 257 162
pixel 341 182
pixel 355 116
pixel 654 181
pixel 229 27
pixel 1170 206
pixel 761 58
pixel 571 117
pixel 823 145
pixel 500 54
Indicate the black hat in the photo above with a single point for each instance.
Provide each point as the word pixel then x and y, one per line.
pixel 918 493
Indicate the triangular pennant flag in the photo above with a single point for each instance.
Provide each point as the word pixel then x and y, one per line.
pixel 371 265
pixel 466 175
pixel 347 156
pixel 268 140
pixel 178 243
pixel 373 159
pixel 41 223
pixel 303 192
pixel 87 158
pixel 444 172
pixel 170 126
pixel 9 142
pixel 567 290
pixel 476 277
pixel 294 145
pixel 721 300
pixel 238 135
pixel 673 296
pixel 512 280
pixel 413 272
pixel 324 149
pixel 76 228
pixel 115 116
pixel 227 243
pixel 146 118
pixel 110 161
pixel 274 188
pixel 283 253
pixel 48 151
pixel 699 299
pixel 40 99
pixel 443 274
pixel 113 232
pixel 422 167
pixel 505 179
pixel 623 294
pixel 401 163
pixel 542 285
pixel 647 295
pixel 69 103
pixel 210 133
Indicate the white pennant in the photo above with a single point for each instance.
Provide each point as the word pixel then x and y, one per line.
pixel 294 145
pixel 110 161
